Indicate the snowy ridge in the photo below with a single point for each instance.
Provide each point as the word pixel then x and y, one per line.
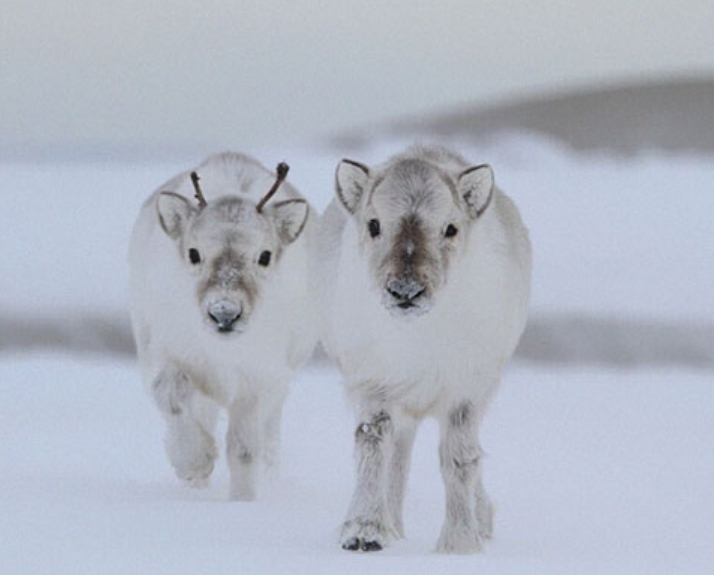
pixel 550 339
pixel 626 117
pixel 82 334
pixel 576 339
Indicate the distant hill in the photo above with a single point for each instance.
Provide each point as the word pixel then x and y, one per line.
pixel 674 115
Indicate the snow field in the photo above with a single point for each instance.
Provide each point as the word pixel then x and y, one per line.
pixel 591 472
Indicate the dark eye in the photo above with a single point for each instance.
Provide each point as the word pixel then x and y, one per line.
pixel 450 231
pixel 264 259
pixel 194 256
pixel 374 228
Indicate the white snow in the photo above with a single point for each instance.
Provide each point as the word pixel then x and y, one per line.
pixel 592 470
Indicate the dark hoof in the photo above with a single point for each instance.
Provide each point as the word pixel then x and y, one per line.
pixel 371 546
pixel 351 545
pixel 356 544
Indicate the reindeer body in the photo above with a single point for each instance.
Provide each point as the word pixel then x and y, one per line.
pixel 226 331
pixel 421 317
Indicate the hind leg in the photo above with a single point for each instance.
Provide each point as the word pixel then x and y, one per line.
pixel 484 509
pixel 189 441
pixel 404 432
pixel 272 434
pixel 244 445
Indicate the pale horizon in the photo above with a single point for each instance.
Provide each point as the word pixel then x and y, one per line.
pixel 134 75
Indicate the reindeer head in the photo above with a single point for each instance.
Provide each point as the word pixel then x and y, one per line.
pixel 413 220
pixel 230 246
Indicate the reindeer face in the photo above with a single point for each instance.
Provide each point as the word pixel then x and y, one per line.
pixel 230 250
pixel 413 221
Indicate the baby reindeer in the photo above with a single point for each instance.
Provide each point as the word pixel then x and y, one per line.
pixel 425 285
pixel 223 312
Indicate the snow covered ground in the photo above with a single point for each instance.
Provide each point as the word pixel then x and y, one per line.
pixel 593 469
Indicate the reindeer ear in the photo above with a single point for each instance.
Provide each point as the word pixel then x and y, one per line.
pixel 174 212
pixel 350 183
pixel 289 217
pixel 476 188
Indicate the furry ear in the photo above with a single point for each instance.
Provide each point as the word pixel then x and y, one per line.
pixel 289 218
pixel 350 183
pixel 174 212
pixel 476 188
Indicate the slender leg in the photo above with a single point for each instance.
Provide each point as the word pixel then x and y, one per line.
pixel 404 433
pixel 460 457
pixel 484 509
pixel 189 445
pixel 271 450
pixel 368 526
pixel 244 448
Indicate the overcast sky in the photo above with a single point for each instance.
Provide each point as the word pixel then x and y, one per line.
pixel 151 74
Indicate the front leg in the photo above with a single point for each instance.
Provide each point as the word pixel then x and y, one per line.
pixel 460 457
pixel 189 441
pixel 368 526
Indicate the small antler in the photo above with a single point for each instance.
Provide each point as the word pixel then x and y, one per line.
pixel 282 173
pixel 199 195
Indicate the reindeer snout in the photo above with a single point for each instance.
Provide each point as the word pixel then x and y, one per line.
pixel 405 291
pixel 225 314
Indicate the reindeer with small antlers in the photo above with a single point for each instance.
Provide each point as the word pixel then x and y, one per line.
pixel 223 311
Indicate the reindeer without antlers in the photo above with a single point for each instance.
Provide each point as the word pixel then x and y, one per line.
pixel 426 277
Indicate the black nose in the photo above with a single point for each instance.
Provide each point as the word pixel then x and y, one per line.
pixel 225 315
pixel 405 291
